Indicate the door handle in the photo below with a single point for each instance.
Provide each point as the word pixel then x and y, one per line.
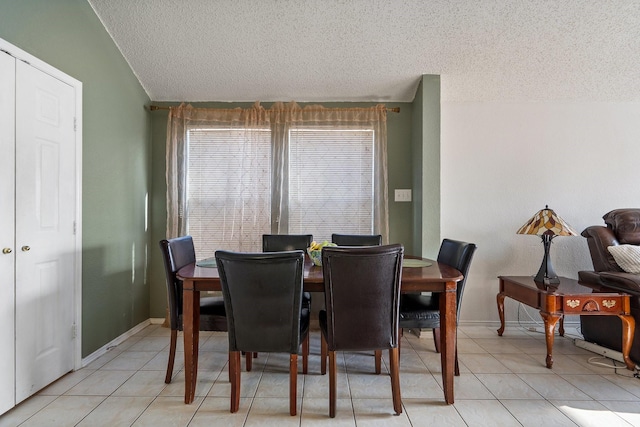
pixel 7 251
pixel 26 248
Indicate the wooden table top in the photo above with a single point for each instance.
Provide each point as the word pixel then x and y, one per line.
pixel 414 279
pixel 566 286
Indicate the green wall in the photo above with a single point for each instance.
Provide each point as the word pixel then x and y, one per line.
pixel 116 157
pixel 399 169
pixel 416 166
pixel 425 149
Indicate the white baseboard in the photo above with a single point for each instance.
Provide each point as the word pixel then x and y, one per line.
pixel 115 342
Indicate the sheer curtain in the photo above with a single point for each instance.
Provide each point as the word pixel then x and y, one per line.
pixel 288 121
pixel 255 194
pixel 239 139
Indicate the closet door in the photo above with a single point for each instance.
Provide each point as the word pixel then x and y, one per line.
pixel 7 222
pixel 45 220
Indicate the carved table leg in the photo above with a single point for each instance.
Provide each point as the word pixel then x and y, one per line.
pixel 500 300
pixel 550 321
pixel 628 327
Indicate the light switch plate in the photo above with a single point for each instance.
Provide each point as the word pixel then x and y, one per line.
pixel 402 195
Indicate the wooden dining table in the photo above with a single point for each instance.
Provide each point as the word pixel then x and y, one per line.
pixel 427 276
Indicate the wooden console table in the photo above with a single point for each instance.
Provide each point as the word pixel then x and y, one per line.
pixel 569 297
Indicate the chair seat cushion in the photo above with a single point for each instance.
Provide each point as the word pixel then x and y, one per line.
pixel 212 306
pixel 419 311
pixel 212 315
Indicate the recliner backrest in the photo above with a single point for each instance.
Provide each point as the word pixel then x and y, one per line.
pixel 362 291
pixel 625 224
pixel 263 296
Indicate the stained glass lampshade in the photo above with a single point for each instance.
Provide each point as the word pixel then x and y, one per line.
pixel 547 225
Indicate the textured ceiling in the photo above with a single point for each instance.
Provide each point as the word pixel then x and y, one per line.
pixel 376 50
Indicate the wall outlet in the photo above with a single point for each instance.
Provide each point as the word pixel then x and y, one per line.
pixel 402 195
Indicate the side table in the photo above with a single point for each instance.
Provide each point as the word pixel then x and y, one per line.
pixel 568 297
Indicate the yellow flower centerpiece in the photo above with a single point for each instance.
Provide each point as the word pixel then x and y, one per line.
pixel 315 251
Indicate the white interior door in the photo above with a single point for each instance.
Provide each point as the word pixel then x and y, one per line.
pixel 45 250
pixel 7 221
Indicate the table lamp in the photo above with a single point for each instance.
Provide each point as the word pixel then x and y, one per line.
pixel 547 225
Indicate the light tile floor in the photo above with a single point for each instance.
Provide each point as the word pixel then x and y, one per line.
pixel 503 382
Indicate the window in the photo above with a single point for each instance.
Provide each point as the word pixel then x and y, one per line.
pixel 235 174
pixel 224 175
pixel 330 181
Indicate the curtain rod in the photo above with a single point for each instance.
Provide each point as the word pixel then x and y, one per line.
pixel 160 107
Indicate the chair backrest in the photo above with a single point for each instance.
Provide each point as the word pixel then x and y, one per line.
pixel 362 296
pixel 176 253
pixel 357 239
pixel 458 255
pixel 286 242
pixel 263 299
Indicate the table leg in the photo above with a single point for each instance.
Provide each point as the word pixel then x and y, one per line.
pixel 500 300
pixel 196 342
pixel 628 327
pixel 550 321
pixel 191 328
pixel 448 339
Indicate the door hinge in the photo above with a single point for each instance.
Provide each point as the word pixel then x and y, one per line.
pixel 74 333
pixel 75 124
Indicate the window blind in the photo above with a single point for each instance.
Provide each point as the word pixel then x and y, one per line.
pixel 228 172
pixel 330 181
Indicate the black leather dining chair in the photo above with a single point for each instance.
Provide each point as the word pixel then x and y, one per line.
pixel 286 242
pixel 362 297
pixel 422 311
pixel 361 240
pixel 176 253
pixel 278 323
pixel 356 239
pixel 289 242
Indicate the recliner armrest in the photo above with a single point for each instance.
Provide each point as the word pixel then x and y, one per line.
pixel 599 238
pixel 590 279
pixel 623 282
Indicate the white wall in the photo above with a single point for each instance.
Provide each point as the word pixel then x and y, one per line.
pixel 502 161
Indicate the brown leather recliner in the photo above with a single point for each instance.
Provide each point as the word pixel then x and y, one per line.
pixel 622 227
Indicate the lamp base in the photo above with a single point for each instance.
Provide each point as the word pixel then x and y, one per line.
pixel 547 280
pixel 546 275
